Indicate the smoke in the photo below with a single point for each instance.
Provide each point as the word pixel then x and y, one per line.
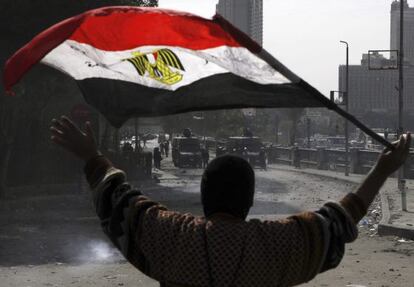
pixel 98 251
pixel 101 251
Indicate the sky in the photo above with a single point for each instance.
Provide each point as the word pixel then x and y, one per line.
pixel 304 35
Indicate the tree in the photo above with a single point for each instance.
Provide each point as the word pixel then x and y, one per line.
pixel 8 127
pixel 147 3
pixel 205 123
pixel 294 116
pixel 25 112
pixel 232 123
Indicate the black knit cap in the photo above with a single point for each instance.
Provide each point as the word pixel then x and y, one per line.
pixel 227 186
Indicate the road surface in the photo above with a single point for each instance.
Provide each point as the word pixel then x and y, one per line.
pixel 49 236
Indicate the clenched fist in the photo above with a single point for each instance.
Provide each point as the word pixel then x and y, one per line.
pixel 390 160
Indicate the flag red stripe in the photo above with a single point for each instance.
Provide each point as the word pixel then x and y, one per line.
pixel 122 29
pixel 35 50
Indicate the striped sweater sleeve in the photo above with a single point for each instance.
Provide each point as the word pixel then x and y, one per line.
pixel 324 234
pixel 339 221
pixel 119 208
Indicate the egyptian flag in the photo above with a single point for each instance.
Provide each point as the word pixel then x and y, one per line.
pixel 140 62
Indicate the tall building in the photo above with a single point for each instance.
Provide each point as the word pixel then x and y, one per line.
pixel 408 30
pixel 247 15
pixel 373 93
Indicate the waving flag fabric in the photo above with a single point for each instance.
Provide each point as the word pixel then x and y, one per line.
pixel 132 61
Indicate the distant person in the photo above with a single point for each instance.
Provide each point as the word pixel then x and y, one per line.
pixel 222 249
pixel 187 133
pixel 147 162
pixel 128 158
pixel 127 148
pixel 138 147
pixel 262 156
pixel 247 133
pixel 161 147
pixel 166 147
pixel 157 157
pixel 205 156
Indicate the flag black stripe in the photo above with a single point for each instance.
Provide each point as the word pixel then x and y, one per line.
pixel 120 100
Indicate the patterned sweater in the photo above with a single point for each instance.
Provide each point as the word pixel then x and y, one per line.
pixel 184 250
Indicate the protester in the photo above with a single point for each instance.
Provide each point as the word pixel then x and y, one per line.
pixel 138 148
pixel 205 156
pixel 166 147
pixel 161 145
pixel 157 157
pixel 127 148
pixel 222 249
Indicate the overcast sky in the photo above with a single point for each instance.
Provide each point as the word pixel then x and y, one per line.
pixel 304 35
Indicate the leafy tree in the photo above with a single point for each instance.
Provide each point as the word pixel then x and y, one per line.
pixel 147 3
pixel 232 123
pixel 44 93
pixel 8 129
pixel 205 123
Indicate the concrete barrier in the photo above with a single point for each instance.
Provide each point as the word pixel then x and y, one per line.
pixel 360 161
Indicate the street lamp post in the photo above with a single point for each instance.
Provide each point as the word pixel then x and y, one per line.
pixel 401 184
pixel 346 97
pixel 308 132
pixel 136 134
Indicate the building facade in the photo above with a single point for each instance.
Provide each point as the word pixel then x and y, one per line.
pixel 376 90
pixel 408 30
pixel 373 93
pixel 247 15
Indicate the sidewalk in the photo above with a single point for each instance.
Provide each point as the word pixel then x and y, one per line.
pixel 394 221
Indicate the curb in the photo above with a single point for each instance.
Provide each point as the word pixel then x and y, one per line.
pixel 385 228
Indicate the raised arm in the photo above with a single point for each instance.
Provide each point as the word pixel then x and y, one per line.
pixel 118 206
pixel 150 237
pixel 342 218
pixel 388 162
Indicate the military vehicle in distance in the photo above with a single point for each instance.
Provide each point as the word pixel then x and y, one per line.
pixel 186 152
pixel 249 148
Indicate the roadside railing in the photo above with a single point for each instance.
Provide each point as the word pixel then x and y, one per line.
pixel 360 161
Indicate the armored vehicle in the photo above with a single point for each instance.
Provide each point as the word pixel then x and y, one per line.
pixel 186 152
pixel 249 148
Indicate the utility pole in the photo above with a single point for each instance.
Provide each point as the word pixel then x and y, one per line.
pixel 136 134
pixel 276 129
pixel 401 182
pixel 204 127
pixel 346 97
pixel 308 132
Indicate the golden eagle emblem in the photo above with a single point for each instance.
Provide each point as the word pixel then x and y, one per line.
pixel 158 65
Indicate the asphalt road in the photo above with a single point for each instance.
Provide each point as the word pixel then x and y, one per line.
pixel 49 236
pixel 278 193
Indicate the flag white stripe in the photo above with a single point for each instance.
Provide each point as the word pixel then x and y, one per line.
pixel 278 66
pixel 82 61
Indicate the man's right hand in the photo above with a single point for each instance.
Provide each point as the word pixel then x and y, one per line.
pixel 391 160
pixel 66 134
pixel 388 162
